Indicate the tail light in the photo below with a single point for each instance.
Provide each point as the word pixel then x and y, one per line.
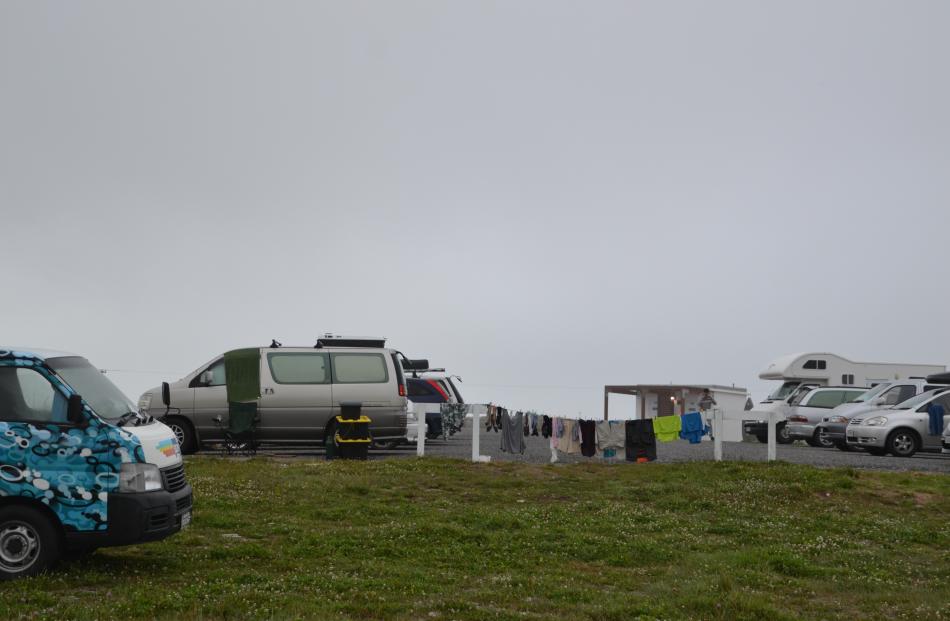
pixel 402 390
pixel 438 389
pixel 797 419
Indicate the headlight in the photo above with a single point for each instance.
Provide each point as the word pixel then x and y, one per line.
pixel 877 421
pixel 139 478
pixel 837 419
pixel 145 401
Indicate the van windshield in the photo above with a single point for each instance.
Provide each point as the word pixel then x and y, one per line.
pixel 871 394
pixel 103 396
pixel 783 391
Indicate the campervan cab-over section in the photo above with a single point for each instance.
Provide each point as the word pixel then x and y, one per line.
pixel 826 369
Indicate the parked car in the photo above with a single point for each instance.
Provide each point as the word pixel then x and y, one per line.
pixel 80 467
pixel 833 427
pixel 301 389
pixel 433 386
pixel 903 429
pixel 779 402
pixel 804 416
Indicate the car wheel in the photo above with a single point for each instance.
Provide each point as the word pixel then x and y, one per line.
pixel 29 543
pixel 184 433
pixel 782 435
pixel 821 441
pixel 388 445
pixel 902 443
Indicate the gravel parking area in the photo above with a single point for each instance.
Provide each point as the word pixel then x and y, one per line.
pixel 537 451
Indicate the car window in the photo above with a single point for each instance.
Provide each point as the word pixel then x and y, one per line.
pixel 898 394
pixel 419 389
pixel 829 398
pixel 217 373
pixel 801 394
pixel 25 395
pixel 943 400
pixel 298 368
pixel 359 369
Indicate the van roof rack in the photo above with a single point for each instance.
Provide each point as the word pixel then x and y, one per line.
pixel 336 340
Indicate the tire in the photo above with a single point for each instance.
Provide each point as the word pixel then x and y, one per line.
pixel 388 445
pixel 781 434
pixel 818 441
pixel 29 543
pixel 902 443
pixel 185 433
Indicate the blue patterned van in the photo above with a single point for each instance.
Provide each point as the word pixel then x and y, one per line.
pixel 80 467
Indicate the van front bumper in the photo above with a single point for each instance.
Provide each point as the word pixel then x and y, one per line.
pixel 138 518
pixel 866 436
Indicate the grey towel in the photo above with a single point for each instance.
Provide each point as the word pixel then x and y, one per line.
pixel 512 433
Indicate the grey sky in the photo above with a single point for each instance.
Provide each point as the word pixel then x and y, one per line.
pixel 533 194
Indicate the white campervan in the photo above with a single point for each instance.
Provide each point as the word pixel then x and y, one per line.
pixel 823 369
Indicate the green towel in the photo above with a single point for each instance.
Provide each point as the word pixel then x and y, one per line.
pixel 242 417
pixel 242 375
pixel 667 428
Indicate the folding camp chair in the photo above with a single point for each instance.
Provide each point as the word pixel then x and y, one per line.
pixel 240 436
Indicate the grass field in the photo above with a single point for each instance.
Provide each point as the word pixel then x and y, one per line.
pixel 440 539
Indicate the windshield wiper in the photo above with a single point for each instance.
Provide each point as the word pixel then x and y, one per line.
pixel 125 418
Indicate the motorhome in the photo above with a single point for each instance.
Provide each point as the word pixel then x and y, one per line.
pixel 824 369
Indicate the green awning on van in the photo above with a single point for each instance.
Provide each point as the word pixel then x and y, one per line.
pixel 242 374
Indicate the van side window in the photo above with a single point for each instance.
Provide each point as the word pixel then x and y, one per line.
pixel 359 369
pixel 27 396
pixel 217 376
pixel 898 394
pixel 811 364
pixel 298 368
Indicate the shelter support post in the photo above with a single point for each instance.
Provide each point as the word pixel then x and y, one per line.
pixel 717 434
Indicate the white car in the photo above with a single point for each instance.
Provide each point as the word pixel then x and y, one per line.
pixel 903 429
pixel 805 415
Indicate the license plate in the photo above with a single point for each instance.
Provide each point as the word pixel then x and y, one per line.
pixel 185 520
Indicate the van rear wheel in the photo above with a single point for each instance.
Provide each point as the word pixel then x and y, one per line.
pixel 29 543
pixel 781 434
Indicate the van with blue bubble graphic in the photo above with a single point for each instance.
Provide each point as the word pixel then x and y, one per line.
pixel 80 467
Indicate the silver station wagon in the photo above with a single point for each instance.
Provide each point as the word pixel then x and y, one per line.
pixel 905 428
pixel 301 389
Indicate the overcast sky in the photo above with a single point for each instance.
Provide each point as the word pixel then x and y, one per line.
pixel 544 197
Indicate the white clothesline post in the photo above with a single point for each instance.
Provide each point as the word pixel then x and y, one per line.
pixel 420 431
pixel 476 411
pixel 772 434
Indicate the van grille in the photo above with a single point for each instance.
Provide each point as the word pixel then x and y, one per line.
pixel 174 478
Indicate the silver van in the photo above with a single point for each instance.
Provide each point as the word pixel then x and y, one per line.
pixel 301 389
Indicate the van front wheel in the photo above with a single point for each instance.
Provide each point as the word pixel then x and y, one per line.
pixel 28 542
pixel 184 432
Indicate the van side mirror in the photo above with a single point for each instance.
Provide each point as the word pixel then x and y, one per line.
pixel 206 378
pixel 880 401
pixel 74 413
pixel 166 394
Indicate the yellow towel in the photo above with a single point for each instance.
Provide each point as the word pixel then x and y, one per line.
pixel 667 428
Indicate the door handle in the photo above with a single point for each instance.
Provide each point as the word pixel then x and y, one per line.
pixel 268 391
